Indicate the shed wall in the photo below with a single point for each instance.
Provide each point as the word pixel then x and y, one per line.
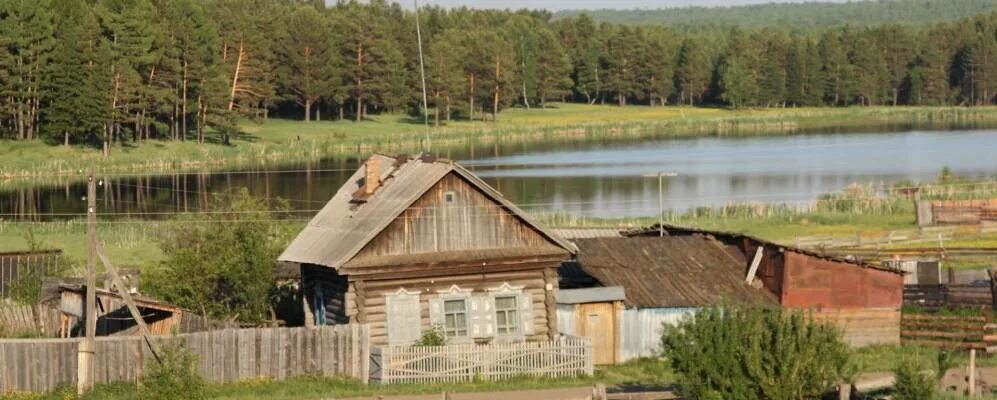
pixel 864 327
pixel 812 282
pixel 639 328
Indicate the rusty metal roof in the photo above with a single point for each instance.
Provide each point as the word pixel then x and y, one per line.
pixel 342 228
pixel 670 271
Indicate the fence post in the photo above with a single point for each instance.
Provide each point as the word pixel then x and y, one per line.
pixel 972 372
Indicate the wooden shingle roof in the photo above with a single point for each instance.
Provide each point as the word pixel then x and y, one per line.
pixel 343 227
pixel 670 271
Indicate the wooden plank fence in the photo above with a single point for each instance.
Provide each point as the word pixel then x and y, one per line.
pixel 19 319
pixel 565 356
pixel 934 297
pixel 14 265
pixel 42 365
pixel 965 332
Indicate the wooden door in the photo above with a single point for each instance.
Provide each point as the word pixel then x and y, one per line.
pixel 597 321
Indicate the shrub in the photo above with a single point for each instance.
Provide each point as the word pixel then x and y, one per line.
pixel 226 267
pixel 912 383
pixel 175 376
pixel 748 354
pixel 432 337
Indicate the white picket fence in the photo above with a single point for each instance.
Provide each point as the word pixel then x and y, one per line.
pixel 565 356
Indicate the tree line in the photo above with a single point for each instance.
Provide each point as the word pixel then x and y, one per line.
pixel 800 15
pixel 106 72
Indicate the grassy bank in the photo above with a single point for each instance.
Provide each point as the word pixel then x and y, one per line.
pixel 282 141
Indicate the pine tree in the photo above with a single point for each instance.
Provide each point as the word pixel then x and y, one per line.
pixel 693 72
pixel 372 62
pixel 553 79
pixel 245 63
pixel 622 69
pixel 192 45
pixel 308 57
pixel 805 80
pixel 444 73
pixel 773 63
pixel 26 32
pixel 578 36
pixel 74 110
pixel 658 62
pixel 838 70
pixel 739 77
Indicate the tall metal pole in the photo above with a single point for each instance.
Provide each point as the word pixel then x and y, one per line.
pixel 422 73
pixel 661 207
pixel 661 198
pixel 85 367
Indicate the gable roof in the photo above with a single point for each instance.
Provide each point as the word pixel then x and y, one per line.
pixel 670 271
pixel 342 228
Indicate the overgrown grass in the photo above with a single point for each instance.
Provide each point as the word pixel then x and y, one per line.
pixel 644 371
pixel 883 358
pixel 282 141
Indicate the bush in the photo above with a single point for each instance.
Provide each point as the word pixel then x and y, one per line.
pixel 432 337
pixel 748 354
pixel 174 377
pixel 912 383
pixel 224 267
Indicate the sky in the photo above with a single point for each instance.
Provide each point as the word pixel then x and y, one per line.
pixel 555 5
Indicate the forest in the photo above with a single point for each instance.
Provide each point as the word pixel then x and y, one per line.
pixel 801 16
pixel 110 72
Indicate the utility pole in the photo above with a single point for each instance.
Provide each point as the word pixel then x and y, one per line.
pixel 85 357
pixel 661 198
pixel 422 73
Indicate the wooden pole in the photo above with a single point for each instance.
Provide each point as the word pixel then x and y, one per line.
pixel 972 372
pixel 127 297
pixel 85 356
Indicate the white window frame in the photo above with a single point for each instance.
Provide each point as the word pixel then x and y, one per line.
pixel 456 329
pixel 516 321
pixel 416 331
pixel 516 292
pixel 451 294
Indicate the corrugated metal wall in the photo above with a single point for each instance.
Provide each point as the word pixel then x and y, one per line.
pixel 639 330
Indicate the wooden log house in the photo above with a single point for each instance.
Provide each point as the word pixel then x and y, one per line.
pixel 410 244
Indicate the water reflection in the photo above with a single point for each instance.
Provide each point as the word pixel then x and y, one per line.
pixel 591 179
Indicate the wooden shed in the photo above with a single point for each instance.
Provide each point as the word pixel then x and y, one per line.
pixel 861 298
pixel 663 279
pixel 113 317
pixel 409 244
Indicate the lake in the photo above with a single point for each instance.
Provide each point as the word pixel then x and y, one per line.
pixel 597 179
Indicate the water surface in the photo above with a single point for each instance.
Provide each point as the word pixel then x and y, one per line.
pixel 601 179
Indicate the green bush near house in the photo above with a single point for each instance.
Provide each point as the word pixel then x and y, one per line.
pixel 750 354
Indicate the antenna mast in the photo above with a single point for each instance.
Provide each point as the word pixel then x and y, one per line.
pixel 422 73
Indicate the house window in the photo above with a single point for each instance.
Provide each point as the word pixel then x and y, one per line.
pixel 455 317
pixel 506 316
pixel 403 319
pixel 449 197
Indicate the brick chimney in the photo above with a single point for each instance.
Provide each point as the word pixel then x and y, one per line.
pixel 372 176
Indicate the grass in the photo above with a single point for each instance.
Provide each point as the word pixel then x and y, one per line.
pixel 884 358
pixel 644 371
pixel 282 141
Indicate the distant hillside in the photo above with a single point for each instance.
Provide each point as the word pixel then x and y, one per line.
pixel 798 15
